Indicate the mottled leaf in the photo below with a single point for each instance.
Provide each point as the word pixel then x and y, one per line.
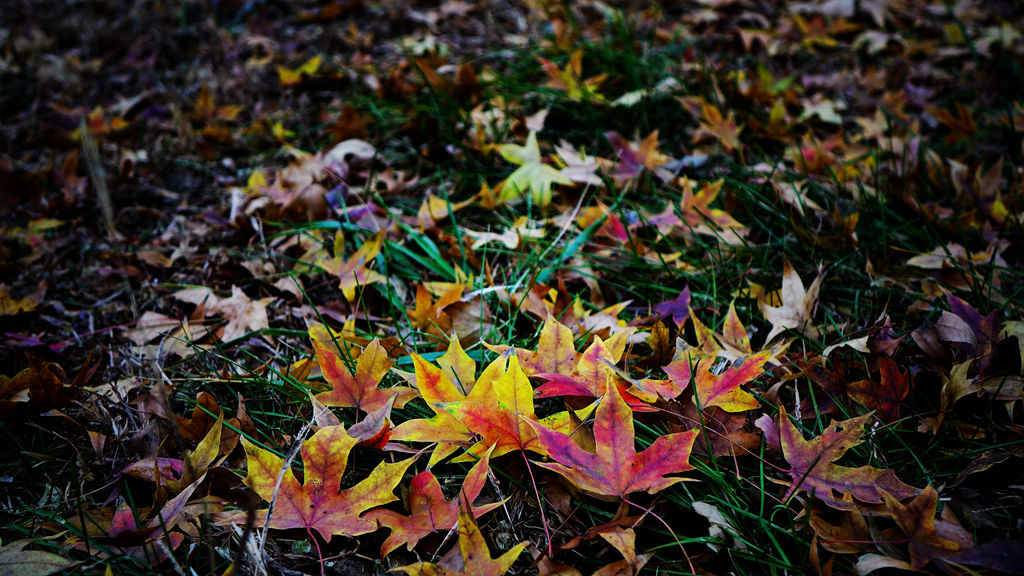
pixel 813 467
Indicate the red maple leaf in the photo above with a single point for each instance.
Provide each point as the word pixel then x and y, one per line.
pixel 431 512
pixel 471 558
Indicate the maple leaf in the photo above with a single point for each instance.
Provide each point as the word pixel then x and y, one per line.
pixel 354 271
pixel 678 309
pixel 592 373
pixel 290 76
pixel 468 316
pixel 206 111
pixel 431 512
pixel 473 559
pixel 886 395
pixel 722 389
pixel 532 175
pixel 440 387
pixel 317 503
pixel 696 215
pixel 813 468
pixel 358 389
pixel 498 408
pixel 578 166
pixel 522 229
pixel 634 159
pixel 244 314
pixel 555 353
pixel 927 538
pixel 616 469
pixel 715 125
pixel 570 79
pixel 797 306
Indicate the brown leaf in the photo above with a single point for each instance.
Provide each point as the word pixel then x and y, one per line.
pixel 797 307
pixel 928 538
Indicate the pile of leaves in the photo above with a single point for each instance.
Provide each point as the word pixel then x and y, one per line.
pixel 525 287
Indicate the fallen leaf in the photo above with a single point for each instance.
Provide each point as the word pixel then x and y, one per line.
pixel 292 76
pixel 357 389
pixel 243 313
pixel 723 389
pixel 886 395
pixel 555 353
pixel 678 309
pixel 16 561
pixel 354 272
pixel 570 79
pixel 532 176
pixel 474 558
pixel 928 538
pixel 318 503
pixel 797 307
pixel 616 469
pixel 431 511
pixel 813 468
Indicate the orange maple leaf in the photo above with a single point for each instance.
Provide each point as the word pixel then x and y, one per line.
pixel 721 389
pixel 616 469
pixel 317 503
pixel 358 389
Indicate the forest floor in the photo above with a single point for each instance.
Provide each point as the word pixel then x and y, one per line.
pixel 346 287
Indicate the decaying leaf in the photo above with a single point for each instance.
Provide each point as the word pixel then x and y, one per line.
pixel 797 307
pixel 16 561
pixel 929 538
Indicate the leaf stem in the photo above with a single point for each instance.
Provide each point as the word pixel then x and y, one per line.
pixel 540 505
